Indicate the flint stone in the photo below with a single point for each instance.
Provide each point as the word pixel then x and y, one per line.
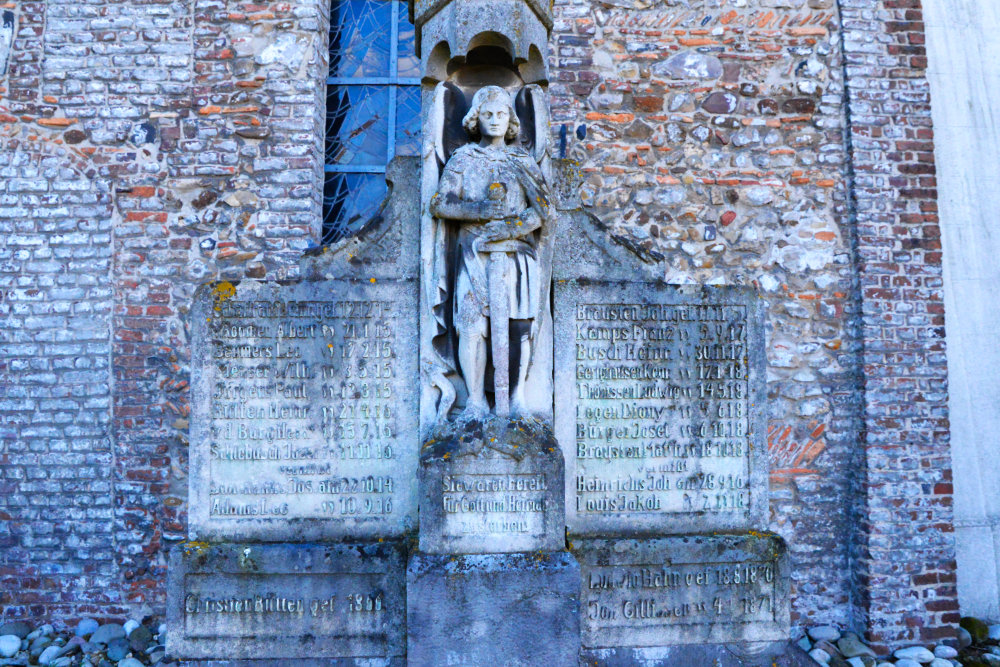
pixel 493 487
pixel 720 103
pixel 286 601
pixel 668 374
pixel 690 65
pixel 493 609
pixel 695 590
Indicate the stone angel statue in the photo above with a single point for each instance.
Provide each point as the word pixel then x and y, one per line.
pixel 492 254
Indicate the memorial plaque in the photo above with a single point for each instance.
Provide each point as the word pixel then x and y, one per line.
pixel 304 410
pixel 683 590
pixel 659 407
pixel 287 601
pixel 506 495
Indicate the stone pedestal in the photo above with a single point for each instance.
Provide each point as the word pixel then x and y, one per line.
pixel 491 486
pixel 502 610
pixel 287 602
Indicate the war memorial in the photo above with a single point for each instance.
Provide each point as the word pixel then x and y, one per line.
pixel 468 332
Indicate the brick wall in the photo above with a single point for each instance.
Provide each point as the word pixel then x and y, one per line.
pixel 194 133
pixel 904 560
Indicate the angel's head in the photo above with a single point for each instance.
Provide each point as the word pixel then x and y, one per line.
pixel 492 115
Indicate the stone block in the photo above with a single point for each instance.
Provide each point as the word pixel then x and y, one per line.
pixel 730 589
pixel 660 407
pixel 492 488
pixel 752 654
pixel 507 610
pixel 305 412
pixel 286 601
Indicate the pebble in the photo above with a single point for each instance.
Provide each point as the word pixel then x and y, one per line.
pixel 805 644
pixel 117 649
pixel 992 659
pixel 107 632
pixel 130 662
pixel 885 664
pixel 945 651
pixel 9 645
pixel 994 631
pixel 820 656
pixel 129 626
pixel 979 631
pixel 49 654
pixel 86 627
pixel 915 653
pixel 940 662
pixel 855 662
pixel 964 638
pixel 18 628
pixel 850 646
pixel 824 632
pixel 140 638
pixel 906 662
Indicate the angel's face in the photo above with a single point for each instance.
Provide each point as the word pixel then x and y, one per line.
pixel 494 118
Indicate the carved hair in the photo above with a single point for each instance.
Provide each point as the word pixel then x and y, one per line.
pixel 488 94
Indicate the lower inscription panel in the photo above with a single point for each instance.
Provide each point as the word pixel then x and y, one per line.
pixel 683 590
pixel 238 601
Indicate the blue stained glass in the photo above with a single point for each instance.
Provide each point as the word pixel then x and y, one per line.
pixel 349 201
pixel 373 108
pixel 357 125
pixel 408 120
pixel 359 38
pixel 407 63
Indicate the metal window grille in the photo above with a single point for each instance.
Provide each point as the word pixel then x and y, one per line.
pixel 373 108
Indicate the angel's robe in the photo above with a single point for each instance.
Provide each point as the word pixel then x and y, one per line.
pixel 469 175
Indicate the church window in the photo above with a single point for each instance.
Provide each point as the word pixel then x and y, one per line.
pixel 372 108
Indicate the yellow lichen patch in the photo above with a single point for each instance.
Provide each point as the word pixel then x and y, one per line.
pixel 194 547
pixel 223 291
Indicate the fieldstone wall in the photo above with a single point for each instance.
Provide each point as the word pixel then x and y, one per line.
pixel 711 136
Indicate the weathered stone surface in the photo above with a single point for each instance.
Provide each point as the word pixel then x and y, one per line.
pixel 752 654
pixel 492 488
pixel 683 590
pixel 241 601
pixel 496 609
pixel 660 407
pixel 305 410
